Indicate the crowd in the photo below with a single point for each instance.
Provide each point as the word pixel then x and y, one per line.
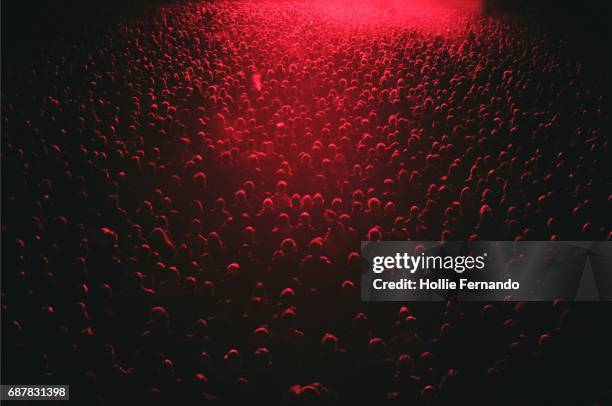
pixel 185 192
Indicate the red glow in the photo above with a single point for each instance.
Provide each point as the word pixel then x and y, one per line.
pixel 438 16
pixel 187 189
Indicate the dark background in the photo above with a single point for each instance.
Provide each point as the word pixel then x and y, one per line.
pixel 30 25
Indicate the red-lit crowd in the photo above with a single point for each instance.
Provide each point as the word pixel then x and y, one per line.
pixel 185 192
